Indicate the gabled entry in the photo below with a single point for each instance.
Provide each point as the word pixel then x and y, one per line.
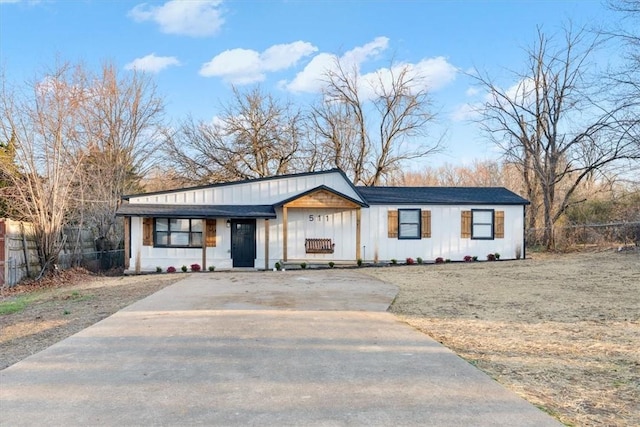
pixel 243 242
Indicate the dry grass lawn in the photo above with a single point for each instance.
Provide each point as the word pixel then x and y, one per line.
pixel 563 331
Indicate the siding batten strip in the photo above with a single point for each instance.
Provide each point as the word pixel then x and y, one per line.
pixel 284 233
pixel 266 244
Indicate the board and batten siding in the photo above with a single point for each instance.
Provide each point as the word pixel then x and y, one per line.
pixel 146 257
pixel 446 239
pixel 260 192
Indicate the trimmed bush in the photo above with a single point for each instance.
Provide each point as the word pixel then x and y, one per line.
pixel 184 268
pixel 439 260
pixel 171 269
pixel 195 267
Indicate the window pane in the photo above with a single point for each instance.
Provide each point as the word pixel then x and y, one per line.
pixel 410 216
pixel 482 217
pixel 179 239
pixel 162 224
pixel 179 225
pixel 408 230
pixel 162 238
pixel 482 230
pixel 196 239
pixel 196 225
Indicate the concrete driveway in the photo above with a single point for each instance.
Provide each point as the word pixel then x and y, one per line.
pixel 312 348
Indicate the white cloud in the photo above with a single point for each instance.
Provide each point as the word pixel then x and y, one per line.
pixel 523 91
pixel 310 79
pixel 244 66
pixel 465 112
pixel 360 54
pixel 152 63
pixel 281 56
pixel 472 91
pixel 191 18
pixel 429 73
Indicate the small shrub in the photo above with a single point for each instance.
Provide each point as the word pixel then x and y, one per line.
pixel 448 260
pixel 184 268
pixel 195 267
pixel 278 266
pixel 303 265
pixel 497 255
pixel 359 262
pixel 439 260
pixel 474 258
pixel 332 264
pixel 66 312
pixel 394 261
pixel 410 261
pixel 171 269
pixel 491 257
pixel 420 260
pixel 158 269
pixel 467 258
pixel 212 268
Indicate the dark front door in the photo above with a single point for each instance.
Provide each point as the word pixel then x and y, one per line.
pixel 243 242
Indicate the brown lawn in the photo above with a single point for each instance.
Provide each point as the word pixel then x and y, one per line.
pixel 563 331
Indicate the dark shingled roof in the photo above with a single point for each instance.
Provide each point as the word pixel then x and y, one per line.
pixel 440 196
pixel 197 211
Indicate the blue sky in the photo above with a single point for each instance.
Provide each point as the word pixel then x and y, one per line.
pixel 196 49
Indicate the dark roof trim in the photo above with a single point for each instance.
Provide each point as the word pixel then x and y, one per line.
pixel 441 196
pixel 245 181
pixel 196 211
pixel 318 188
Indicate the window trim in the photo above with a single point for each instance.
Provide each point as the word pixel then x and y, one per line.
pixel 418 236
pixel 190 245
pixel 491 224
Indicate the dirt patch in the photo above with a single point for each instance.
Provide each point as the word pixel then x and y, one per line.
pixel 563 331
pixel 65 304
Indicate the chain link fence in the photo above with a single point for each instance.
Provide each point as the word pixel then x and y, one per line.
pixel 588 235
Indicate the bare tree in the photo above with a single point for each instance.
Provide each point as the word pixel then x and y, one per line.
pixel 9 174
pixel 120 119
pixel 371 128
pixel 255 136
pixel 626 80
pixel 553 125
pixel 487 173
pixel 43 124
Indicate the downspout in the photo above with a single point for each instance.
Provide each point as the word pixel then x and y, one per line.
pixel 524 231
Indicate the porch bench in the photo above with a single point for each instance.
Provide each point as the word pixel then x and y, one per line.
pixel 318 246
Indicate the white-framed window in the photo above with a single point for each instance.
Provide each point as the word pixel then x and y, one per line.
pixel 409 224
pixel 178 232
pixel 482 224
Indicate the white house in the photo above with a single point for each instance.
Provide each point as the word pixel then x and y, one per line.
pixel 317 217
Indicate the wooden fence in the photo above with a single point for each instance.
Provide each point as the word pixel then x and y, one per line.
pixel 19 252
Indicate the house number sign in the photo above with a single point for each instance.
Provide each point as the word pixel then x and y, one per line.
pixel 319 218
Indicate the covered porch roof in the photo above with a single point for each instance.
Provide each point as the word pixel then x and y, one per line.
pixel 196 211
